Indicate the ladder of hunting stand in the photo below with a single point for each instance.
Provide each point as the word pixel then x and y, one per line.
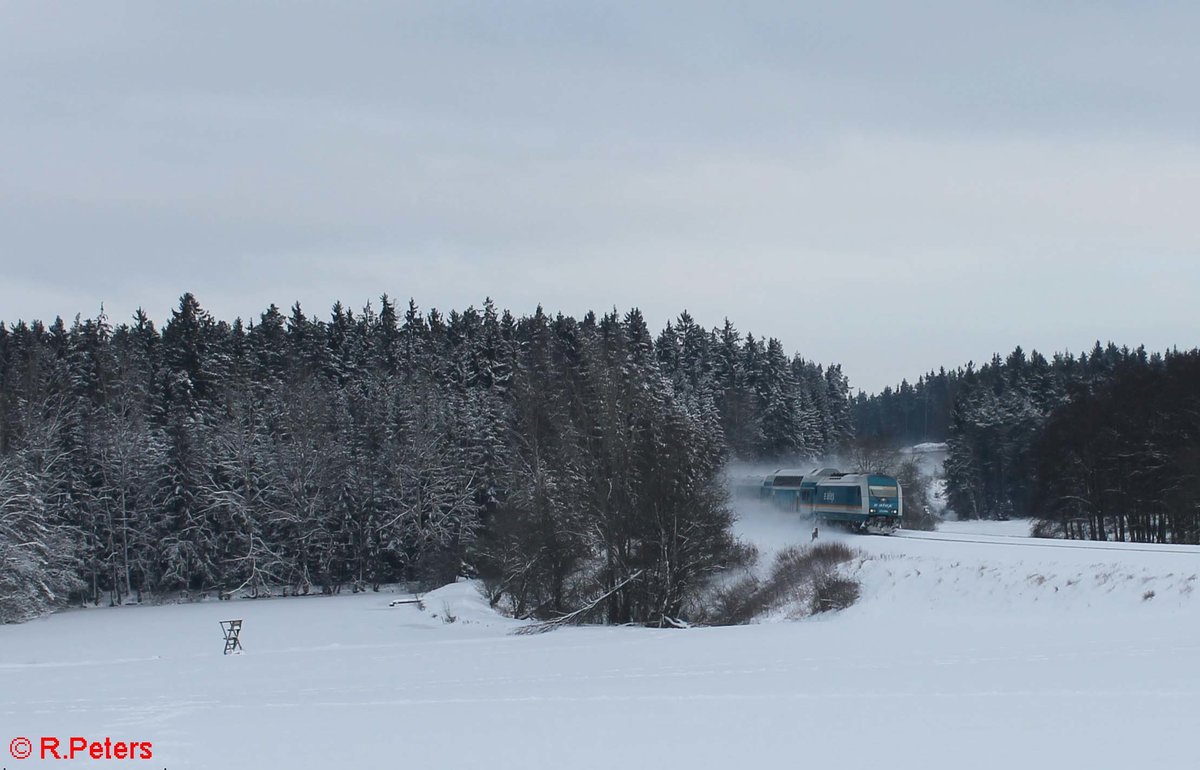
pixel 231 629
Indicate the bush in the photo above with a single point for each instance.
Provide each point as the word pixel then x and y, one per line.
pixel 916 485
pixel 1046 528
pixel 920 520
pixel 833 592
pixel 801 576
pixel 736 603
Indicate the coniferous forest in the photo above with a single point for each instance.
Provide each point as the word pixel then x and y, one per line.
pixel 1104 445
pixel 559 460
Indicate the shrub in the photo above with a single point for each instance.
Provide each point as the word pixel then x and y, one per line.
pixel 802 576
pixel 737 602
pixel 833 592
pixel 1046 528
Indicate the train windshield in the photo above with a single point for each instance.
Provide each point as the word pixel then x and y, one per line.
pixel 884 492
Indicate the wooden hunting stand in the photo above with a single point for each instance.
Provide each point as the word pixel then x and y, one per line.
pixel 231 629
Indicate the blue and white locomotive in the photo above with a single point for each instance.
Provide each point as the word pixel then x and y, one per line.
pixel 865 502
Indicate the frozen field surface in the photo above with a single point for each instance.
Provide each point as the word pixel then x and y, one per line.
pixel 968 649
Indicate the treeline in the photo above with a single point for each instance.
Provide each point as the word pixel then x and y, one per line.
pixel 909 413
pixel 570 463
pixel 1000 413
pixel 1123 461
pixel 1103 444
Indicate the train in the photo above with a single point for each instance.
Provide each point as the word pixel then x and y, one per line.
pixel 865 502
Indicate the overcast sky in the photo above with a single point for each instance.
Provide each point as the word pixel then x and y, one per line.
pixel 891 186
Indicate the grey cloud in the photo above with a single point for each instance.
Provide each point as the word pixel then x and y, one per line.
pixel 750 161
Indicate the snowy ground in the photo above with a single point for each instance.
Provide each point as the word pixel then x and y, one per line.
pixel 1011 528
pixel 970 648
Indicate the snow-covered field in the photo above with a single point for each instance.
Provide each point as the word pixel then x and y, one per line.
pixel 970 648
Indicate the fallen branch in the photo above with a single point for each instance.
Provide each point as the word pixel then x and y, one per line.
pixel 575 615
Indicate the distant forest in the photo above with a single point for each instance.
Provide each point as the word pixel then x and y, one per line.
pixel 561 460
pixel 1105 445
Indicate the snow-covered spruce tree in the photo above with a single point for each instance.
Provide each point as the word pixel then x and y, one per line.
pixel 41 479
pixel 478 384
pixel 239 495
pixel 39 567
pixel 779 403
pixel 684 358
pixel 735 396
pixel 307 467
pixel 186 547
pixel 537 542
pixel 835 413
pixel 132 446
pixel 431 513
pixel 196 361
pixel 368 423
pixel 997 418
pixel 127 450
